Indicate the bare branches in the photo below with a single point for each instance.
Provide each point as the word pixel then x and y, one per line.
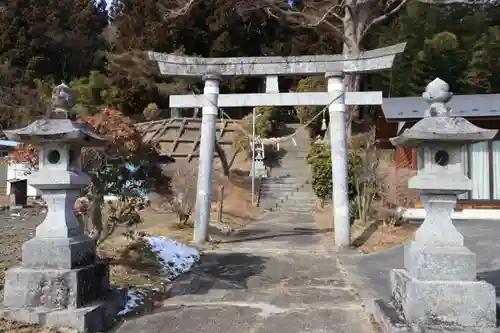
pixel 305 19
pixel 182 200
pixel 330 8
pixel 175 8
pixel 310 15
pixel 388 13
pixel 448 2
pixel 349 20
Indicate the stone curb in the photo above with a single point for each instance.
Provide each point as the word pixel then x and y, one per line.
pixel 364 291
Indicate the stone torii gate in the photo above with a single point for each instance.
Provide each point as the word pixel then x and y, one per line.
pixel 333 67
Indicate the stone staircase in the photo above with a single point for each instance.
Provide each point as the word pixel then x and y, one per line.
pixel 288 188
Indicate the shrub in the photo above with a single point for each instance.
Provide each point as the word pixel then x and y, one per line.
pixel 306 113
pixel 151 112
pixel 319 158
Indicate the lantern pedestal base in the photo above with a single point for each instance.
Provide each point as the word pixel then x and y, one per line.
pixel 92 318
pixel 79 298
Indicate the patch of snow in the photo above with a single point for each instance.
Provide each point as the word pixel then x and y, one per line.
pixel 135 298
pixel 175 258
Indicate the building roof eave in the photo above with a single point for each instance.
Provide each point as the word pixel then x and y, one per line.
pixel 399 109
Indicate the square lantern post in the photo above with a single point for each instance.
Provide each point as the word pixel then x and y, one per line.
pixel 61 281
pixel 438 290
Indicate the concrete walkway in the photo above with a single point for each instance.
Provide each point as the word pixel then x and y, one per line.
pixel 276 276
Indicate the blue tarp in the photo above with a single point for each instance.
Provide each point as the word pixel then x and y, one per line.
pixel 8 143
pixel 141 192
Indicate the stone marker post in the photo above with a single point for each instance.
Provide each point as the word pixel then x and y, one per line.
pixel 437 291
pixel 60 282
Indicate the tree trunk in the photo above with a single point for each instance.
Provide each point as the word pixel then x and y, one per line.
pixel 352 48
pixel 100 227
pixel 339 134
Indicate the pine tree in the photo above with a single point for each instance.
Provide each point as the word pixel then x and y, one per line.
pixel 477 76
pixel 493 47
pixel 440 57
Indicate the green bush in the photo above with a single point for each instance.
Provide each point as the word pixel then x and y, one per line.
pixel 306 113
pixel 319 158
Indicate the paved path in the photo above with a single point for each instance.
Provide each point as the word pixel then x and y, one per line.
pixel 276 276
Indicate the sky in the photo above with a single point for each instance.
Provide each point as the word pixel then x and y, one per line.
pixel 108 3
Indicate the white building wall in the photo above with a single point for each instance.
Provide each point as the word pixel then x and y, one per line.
pixel 19 171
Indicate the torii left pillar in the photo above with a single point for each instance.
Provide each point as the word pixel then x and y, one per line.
pixel 207 145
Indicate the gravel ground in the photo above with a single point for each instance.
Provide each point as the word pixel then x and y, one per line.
pixel 15 229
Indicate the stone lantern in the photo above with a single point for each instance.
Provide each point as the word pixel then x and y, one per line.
pixel 60 282
pixel 438 291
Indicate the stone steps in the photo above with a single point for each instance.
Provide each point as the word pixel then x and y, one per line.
pixel 281 183
pixel 294 203
pixel 288 187
pixel 292 199
pixel 286 201
pixel 278 190
pixel 295 210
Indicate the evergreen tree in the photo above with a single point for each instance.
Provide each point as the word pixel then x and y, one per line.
pixel 477 76
pixel 440 57
pixel 416 23
pixel 139 25
pixel 493 49
pixel 53 39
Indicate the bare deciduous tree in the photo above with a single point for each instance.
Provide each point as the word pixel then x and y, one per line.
pixel 448 2
pixel 349 20
pixel 175 8
pixel 366 178
pixel 381 187
pixel 182 199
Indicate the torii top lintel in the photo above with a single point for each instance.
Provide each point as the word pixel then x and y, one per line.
pixel 368 61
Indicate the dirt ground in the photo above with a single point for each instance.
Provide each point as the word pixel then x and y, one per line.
pixel 19 226
pixel 15 229
pixel 131 264
pixel 370 237
pixel 14 327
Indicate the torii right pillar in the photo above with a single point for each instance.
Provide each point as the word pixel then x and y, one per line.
pixel 338 143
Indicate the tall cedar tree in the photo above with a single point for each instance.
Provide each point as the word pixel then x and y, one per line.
pixel 421 22
pixel 477 75
pixel 139 25
pixel 53 39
